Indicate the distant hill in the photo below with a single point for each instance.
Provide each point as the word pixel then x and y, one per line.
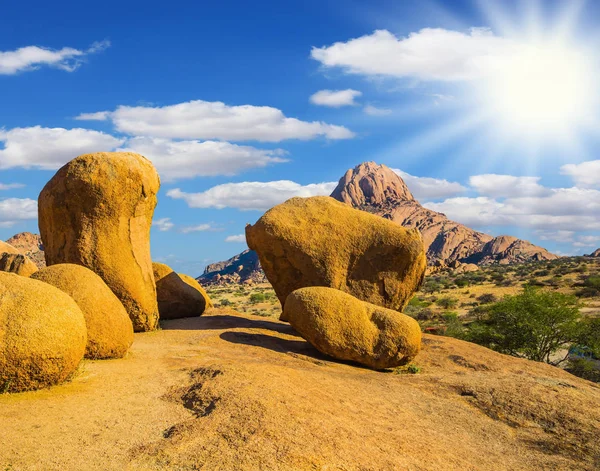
pixel 595 253
pixel 379 190
pixel 238 269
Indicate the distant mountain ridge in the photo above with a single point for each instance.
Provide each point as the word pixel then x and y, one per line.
pixel 379 190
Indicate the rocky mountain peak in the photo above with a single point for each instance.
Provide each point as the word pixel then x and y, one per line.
pixel 370 184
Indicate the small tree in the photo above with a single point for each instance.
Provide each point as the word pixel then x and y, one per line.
pixel 534 324
pixel 257 298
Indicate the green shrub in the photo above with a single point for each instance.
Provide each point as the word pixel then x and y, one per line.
pixel 534 324
pixel 447 302
pixel 257 298
pixel 487 298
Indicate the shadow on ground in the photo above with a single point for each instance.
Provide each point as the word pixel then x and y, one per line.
pixel 227 321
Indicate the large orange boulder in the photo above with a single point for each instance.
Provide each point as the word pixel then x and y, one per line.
pixel 319 241
pixel 176 297
pixel 346 328
pixel 42 334
pixel 97 212
pixel 109 329
pixel 198 287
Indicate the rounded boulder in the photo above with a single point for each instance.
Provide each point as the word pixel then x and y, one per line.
pixel 197 286
pixel 96 211
pixel 176 297
pixel 344 327
pixel 42 334
pixel 319 241
pixel 109 329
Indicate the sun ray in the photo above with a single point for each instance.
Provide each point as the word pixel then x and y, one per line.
pixel 497 17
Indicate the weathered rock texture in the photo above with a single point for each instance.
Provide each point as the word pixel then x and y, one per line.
pixel 379 190
pixel 109 329
pixel 97 212
pixel 231 391
pixel 244 267
pixel 321 242
pixel 197 286
pixel 176 298
pixel 595 253
pixel 5 247
pixel 17 263
pixel 31 245
pixel 42 334
pixel 344 327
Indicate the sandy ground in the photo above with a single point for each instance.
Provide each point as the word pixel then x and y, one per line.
pixel 228 391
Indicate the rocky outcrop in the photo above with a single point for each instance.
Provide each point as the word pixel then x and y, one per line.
pixel 595 253
pixel 244 267
pixel 176 297
pixel 17 263
pixel 7 248
pixel 109 329
pixel 371 185
pixel 31 245
pixel 13 260
pixel 97 212
pixel 42 334
pixel 319 241
pixel 379 190
pixel 506 249
pixel 198 287
pixel 343 327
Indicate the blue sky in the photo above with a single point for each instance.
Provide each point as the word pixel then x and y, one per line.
pixel 489 107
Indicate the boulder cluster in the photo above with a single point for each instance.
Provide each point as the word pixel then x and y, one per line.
pixel 342 277
pixel 100 284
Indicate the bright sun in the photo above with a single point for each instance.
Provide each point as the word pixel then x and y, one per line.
pixel 541 88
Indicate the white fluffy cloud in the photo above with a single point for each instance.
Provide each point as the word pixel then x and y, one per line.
pixel 561 209
pixel 239 238
pixel 215 120
pixel 251 195
pixel 500 186
pixel 17 209
pixel 429 54
pixel 189 159
pixel 33 57
pixel 424 188
pixel 374 111
pixel 587 241
pixel 10 186
pixel 563 236
pixel 163 224
pixel 480 211
pixel 50 148
pixel 335 98
pixel 198 228
pixel 584 174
